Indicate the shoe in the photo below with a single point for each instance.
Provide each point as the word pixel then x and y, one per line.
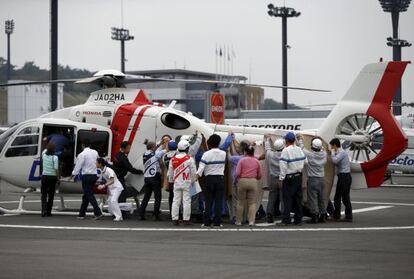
pixel 124 214
pixel 251 225
pixel 313 220
pixel 336 219
pixel 117 219
pixel 298 223
pixel 44 214
pixel 142 218
pixel 349 220
pixel 282 224
pixel 270 218
pixel 49 214
pixel 176 222
pixel 233 220
pixel 187 223
pixel 238 224
pixel 98 217
pixel 218 226
pixel 205 226
pixel 80 217
pixel 322 218
pixel 157 218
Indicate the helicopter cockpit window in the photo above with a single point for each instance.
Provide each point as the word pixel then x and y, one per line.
pixel 99 141
pixel 26 143
pixel 29 131
pixel 6 136
pixel 174 121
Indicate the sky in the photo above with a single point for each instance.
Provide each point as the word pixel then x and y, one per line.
pixel 330 41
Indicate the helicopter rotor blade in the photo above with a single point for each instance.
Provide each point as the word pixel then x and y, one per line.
pixel 133 79
pixel 39 82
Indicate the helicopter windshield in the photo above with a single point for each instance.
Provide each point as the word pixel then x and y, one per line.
pixel 6 135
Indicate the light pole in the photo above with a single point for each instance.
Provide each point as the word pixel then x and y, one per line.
pixel 53 53
pixel 121 34
pixel 9 28
pixel 284 13
pixel 395 7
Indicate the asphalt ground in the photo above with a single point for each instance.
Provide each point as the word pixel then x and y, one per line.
pixel 378 244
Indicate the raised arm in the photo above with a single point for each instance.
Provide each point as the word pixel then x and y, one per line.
pixel 227 142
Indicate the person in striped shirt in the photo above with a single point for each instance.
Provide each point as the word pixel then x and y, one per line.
pixel 212 166
pixel 292 161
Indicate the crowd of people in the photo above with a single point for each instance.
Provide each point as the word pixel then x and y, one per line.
pixel 192 170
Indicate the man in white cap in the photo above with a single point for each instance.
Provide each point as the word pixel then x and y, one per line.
pixel 182 172
pixel 275 185
pixel 316 179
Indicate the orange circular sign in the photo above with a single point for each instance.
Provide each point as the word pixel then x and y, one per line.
pixel 217 108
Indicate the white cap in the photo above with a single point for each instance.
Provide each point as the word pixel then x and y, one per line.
pixel 279 144
pixel 186 137
pixel 183 145
pixel 316 143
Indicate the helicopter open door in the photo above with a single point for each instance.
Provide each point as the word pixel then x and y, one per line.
pixel 100 139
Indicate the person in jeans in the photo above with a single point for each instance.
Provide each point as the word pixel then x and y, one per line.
pixel 248 173
pixel 343 186
pixel 50 174
pixel 316 179
pixel 86 165
pixel 212 165
pixel 292 161
pixel 152 178
pixel 275 185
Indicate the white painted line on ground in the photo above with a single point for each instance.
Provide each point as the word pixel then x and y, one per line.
pixel 35 201
pixel 384 203
pixel 208 230
pixel 58 201
pixel 373 208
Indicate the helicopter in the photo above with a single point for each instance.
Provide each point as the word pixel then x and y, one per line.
pixel 362 120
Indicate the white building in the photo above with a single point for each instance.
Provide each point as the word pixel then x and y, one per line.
pixel 29 101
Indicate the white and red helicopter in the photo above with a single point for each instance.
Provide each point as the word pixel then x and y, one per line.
pixel 113 115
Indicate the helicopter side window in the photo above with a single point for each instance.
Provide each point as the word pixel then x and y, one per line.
pixel 26 140
pixel 22 151
pixel 174 121
pixel 26 143
pixel 99 141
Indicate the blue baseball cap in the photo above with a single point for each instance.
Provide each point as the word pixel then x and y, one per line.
pixel 290 136
pixel 172 145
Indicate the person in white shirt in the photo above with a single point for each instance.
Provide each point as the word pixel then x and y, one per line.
pixel 115 188
pixel 86 166
pixel 212 166
pixel 292 161
pixel 182 172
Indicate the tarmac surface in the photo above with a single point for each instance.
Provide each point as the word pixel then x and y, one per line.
pixel 378 244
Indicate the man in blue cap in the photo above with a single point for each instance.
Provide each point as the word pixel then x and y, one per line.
pixel 292 161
